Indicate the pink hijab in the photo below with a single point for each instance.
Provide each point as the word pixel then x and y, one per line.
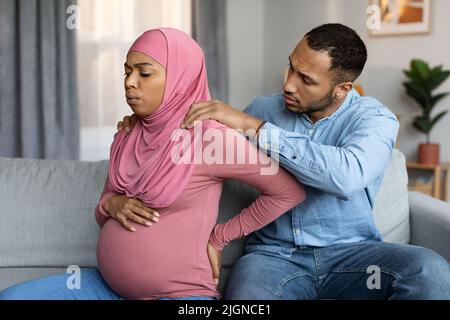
pixel 141 165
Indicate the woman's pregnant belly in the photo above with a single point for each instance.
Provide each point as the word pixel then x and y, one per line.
pixel 161 260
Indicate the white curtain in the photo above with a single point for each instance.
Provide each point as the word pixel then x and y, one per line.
pixel 107 28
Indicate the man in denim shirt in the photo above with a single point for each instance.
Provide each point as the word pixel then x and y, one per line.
pixel 338 144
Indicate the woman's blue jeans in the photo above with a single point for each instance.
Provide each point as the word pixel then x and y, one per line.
pixel 92 287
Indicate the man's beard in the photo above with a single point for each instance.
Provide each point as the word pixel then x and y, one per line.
pixel 322 104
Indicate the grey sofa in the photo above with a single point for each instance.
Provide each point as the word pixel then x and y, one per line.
pixel 47 216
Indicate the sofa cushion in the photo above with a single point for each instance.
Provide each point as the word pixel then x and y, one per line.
pixel 391 209
pixel 47 212
pixel 12 276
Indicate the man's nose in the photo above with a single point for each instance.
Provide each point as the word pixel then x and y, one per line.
pixel 289 86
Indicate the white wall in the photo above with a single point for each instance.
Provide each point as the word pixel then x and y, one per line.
pixel 245 24
pixel 286 22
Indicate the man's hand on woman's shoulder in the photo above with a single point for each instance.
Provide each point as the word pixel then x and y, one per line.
pixel 127 123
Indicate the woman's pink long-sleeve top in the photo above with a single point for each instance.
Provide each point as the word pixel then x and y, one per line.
pixel 169 259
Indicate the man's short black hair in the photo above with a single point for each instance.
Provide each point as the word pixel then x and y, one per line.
pixel 347 51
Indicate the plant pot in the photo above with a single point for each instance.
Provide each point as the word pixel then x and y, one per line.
pixel 429 153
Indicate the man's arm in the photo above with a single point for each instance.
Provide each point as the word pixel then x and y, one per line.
pixel 341 170
pixel 225 114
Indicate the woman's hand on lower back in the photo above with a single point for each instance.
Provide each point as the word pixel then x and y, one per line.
pixel 214 256
pixel 122 209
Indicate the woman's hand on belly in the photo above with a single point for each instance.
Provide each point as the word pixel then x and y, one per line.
pixel 214 256
pixel 122 209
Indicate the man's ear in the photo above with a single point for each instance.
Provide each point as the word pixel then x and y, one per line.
pixel 342 89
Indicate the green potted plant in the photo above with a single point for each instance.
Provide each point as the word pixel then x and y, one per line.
pixel 422 82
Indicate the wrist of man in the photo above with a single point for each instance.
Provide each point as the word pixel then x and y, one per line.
pixel 252 126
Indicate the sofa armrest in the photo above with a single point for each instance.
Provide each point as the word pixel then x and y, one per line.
pixel 430 223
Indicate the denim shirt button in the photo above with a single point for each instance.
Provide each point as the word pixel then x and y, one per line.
pixel 297 231
pixel 294 157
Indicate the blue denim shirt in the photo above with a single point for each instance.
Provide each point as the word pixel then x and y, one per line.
pixel 341 161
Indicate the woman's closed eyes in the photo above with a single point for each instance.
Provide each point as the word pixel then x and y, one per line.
pixel 145 75
pixel 141 66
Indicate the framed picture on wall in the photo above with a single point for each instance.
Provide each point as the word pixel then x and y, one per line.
pixel 399 17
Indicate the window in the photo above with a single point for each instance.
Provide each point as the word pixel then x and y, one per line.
pixel 107 30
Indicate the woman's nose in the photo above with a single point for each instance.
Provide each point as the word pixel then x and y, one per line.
pixel 130 81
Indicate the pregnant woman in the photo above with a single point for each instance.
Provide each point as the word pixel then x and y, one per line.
pixel 179 173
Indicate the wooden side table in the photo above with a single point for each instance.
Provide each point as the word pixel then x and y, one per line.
pixel 436 188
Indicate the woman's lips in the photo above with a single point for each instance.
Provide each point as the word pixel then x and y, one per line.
pixel 131 99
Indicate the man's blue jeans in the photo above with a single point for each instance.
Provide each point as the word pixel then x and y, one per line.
pixel 92 287
pixel 365 270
